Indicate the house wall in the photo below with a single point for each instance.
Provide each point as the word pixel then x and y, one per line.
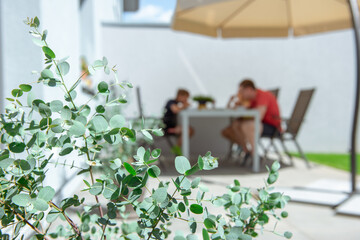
pixel 20 56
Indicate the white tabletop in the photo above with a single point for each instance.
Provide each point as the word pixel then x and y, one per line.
pixel 238 112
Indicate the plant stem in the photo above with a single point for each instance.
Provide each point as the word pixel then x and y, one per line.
pixel 24 220
pixel 103 234
pixel 71 223
pixel 96 198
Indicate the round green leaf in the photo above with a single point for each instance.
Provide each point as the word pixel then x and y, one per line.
pixel 191 237
pixel 5 163
pixel 134 182
pixel 100 109
pixel 47 74
pixel 111 192
pixel 196 208
pixel 195 182
pixel 179 238
pixel 62 68
pixel 184 183
pixel 209 223
pixel 129 168
pixel 146 134
pixel 52 216
pixel 48 52
pixel 56 126
pixel 284 214
pixel 160 195
pixel 288 235
pixel 156 153
pixel 203 188
pixel 36 22
pixel 56 105
pixel 67 148
pixel 192 225
pixel 38 42
pixel 129 133
pixel 275 166
pixel 21 200
pixel 30 98
pixel 72 96
pixel 103 87
pixel 25 87
pixel 272 177
pixel 158 132
pixel 205 234
pixel 99 124
pixel 154 171
pixel 17 92
pixel 46 193
pixel 117 121
pixel 181 207
pixel 81 119
pixel 40 205
pixel 244 213
pixel 182 164
pixel 77 129
pixel 66 113
pixel 17 147
pixel 44 110
pixel 96 189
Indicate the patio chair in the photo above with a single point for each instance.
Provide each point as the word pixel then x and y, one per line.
pixel 265 149
pixel 275 92
pixel 293 124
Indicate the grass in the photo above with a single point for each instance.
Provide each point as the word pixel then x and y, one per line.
pixel 340 161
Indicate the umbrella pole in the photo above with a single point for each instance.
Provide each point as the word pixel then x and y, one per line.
pixel 356 25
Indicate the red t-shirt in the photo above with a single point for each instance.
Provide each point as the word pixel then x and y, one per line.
pixel 272 114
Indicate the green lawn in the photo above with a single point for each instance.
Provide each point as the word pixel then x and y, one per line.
pixel 340 161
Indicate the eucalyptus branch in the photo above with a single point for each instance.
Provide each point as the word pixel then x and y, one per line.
pixel 60 74
pixel 24 220
pixel 71 223
pixel 103 234
pixel 96 198
pixel 162 210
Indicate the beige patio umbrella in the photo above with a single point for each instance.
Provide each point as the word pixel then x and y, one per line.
pixel 261 18
pixel 273 18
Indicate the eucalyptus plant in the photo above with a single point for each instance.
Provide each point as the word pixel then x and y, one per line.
pixel 32 132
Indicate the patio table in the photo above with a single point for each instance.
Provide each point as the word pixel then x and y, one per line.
pixel 239 112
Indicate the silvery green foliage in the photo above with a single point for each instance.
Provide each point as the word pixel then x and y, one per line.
pixel 32 131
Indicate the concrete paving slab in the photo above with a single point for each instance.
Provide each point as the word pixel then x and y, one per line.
pixel 350 207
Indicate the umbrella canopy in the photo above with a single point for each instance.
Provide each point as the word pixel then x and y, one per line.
pixel 261 18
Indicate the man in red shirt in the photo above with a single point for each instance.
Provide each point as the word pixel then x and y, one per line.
pixel 241 131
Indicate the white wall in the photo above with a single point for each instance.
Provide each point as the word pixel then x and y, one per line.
pixel 20 56
pixel 160 61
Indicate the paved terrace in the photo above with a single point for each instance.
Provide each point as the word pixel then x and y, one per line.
pixel 305 221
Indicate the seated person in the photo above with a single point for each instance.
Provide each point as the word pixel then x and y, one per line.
pixel 241 131
pixel 172 108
